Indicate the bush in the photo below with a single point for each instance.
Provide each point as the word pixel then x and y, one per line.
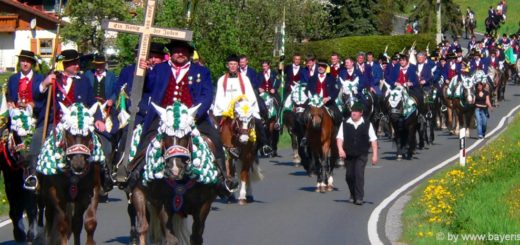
pixel 350 46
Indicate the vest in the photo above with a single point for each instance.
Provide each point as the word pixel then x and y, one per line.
pixel 334 72
pixel 25 91
pixel 402 77
pixel 177 92
pixel 266 84
pixel 356 142
pixel 67 99
pixel 350 77
pixel 321 86
pixel 99 89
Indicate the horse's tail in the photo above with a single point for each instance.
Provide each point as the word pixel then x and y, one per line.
pixel 181 229
pixel 257 172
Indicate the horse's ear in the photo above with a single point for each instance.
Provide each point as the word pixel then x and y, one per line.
pixel 29 110
pixel 193 110
pixel 64 109
pixel 161 111
pixel 92 110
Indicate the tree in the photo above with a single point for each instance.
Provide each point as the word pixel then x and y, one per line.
pixel 247 27
pixel 85 22
pixel 426 13
pixel 354 17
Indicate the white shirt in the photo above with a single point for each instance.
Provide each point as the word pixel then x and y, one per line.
pixel 185 68
pixel 295 69
pixel 419 68
pixel 232 91
pixel 243 71
pixel 371 132
pixel 65 87
pixel 267 75
pixel 104 74
pixel 28 76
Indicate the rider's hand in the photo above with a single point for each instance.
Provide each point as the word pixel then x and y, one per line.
pixel 110 103
pixel 372 90
pixel 342 153
pixel 48 80
pixel 422 82
pixel 11 105
pixel 325 100
pixel 272 91
pixel 410 84
pixel 100 126
pixel 261 90
pixel 143 64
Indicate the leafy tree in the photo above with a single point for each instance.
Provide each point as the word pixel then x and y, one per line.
pixel 426 13
pixel 354 17
pixel 85 22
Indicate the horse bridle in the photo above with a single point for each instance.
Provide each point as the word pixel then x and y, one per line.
pixel 76 149
pixel 237 130
pixel 176 150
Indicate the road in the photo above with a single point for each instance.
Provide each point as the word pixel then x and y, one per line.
pixel 288 211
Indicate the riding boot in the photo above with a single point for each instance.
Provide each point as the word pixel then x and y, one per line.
pixel 226 184
pixel 265 149
pixel 108 183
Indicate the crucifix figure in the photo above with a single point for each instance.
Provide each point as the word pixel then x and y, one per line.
pixel 146 31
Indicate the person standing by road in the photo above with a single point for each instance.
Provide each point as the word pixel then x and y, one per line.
pixel 482 104
pixel 355 137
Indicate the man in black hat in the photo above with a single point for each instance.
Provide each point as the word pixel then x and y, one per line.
pixel 180 80
pixel 354 139
pixel 21 84
pixel 71 87
pixel 477 63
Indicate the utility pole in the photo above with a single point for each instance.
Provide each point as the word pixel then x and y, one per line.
pixel 439 26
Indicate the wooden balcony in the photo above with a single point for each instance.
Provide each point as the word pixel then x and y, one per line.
pixel 8 23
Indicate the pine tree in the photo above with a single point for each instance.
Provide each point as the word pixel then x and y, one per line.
pixel 426 13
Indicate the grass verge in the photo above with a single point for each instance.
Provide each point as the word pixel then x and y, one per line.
pixel 479 202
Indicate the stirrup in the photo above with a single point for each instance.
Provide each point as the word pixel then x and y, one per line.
pixel 30 188
pixel 234 152
pixel 277 126
pixel 444 108
pixel 267 150
pixel 231 190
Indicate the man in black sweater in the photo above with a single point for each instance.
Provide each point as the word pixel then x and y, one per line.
pixel 355 137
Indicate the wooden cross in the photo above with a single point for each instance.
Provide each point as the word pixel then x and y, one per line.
pixel 146 31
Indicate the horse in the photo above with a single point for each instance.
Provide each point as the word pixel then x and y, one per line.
pixel 69 173
pixel 498 86
pixel 464 104
pixel 320 141
pixel 237 128
pixel 349 95
pixel 492 25
pixel 447 107
pixel 273 131
pixel 403 114
pixel 294 106
pixel 432 107
pixel 178 179
pixel 470 23
pixel 15 157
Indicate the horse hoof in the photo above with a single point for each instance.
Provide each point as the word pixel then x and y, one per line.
pixel 231 199
pixel 399 157
pixel 323 189
pixel 330 188
pixel 297 160
pixel 242 202
pixel 250 199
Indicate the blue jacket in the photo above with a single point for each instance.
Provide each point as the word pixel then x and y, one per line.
pixel 366 82
pixel 331 88
pixel 458 68
pixel 391 73
pixel 13 82
pixel 288 70
pixel 411 75
pixel 376 73
pixel 83 93
pixel 426 74
pixel 110 83
pixel 201 90
pixel 483 65
pixel 305 76
pixel 252 75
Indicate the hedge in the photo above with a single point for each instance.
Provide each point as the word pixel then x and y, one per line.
pixel 350 46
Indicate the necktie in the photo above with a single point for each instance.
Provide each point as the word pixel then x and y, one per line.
pixel 24 80
pixel 178 69
pixel 65 78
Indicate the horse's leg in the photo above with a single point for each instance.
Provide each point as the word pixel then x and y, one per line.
pixel 294 144
pixel 199 222
pixel 91 209
pixel 166 220
pixel 14 193
pixel 31 210
pixel 411 138
pixel 139 201
pixel 132 215
pixel 245 168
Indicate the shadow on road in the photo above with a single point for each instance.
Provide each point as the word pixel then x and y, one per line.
pixel 12 242
pixel 299 173
pixel 119 239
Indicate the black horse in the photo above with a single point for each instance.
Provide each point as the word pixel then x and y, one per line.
pixel 404 122
pixel 15 156
pixel 493 24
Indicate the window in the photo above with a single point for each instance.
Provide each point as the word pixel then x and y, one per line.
pixel 45 48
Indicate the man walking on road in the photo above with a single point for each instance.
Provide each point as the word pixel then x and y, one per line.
pixel 355 136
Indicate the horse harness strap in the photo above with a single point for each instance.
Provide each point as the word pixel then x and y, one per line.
pixel 179 189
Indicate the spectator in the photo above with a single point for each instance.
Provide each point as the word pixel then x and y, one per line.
pixel 482 104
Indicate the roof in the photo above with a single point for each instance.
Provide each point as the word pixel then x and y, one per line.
pixel 32 10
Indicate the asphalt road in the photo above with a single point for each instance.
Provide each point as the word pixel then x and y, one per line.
pixel 288 211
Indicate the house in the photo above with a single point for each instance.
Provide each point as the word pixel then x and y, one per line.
pixel 29 25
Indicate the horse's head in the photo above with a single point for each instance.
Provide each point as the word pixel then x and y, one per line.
pixel 22 129
pixel 176 126
pixel 395 102
pixel 269 103
pixel 316 111
pixel 77 125
pixel 299 97
pixel 349 90
pixel 468 87
pixel 243 122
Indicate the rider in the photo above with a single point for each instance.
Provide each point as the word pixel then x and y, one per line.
pixel 189 83
pixel 477 63
pixel 324 85
pixel 472 43
pixel 293 74
pixel 376 77
pixel 424 72
pixel 230 86
pixel 70 87
pixel 310 69
pixel 268 82
pixel 19 94
pixel 335 66
pixel 408 77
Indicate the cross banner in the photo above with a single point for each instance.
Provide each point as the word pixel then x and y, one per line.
pixel 146 31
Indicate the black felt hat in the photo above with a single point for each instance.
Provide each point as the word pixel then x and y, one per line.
pixel 178 43
pixel 232 58
pixel 69 55
pixel 99 59
pixel 358 107
pixel 27 54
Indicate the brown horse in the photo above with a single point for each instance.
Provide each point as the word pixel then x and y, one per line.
pixel 168 200
pixel 470 24
pixel 320 138
pixel 72 195
pixel 294 107
pixel 237 130
pixel 464 105
pixel 447 108
pixel 497 90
